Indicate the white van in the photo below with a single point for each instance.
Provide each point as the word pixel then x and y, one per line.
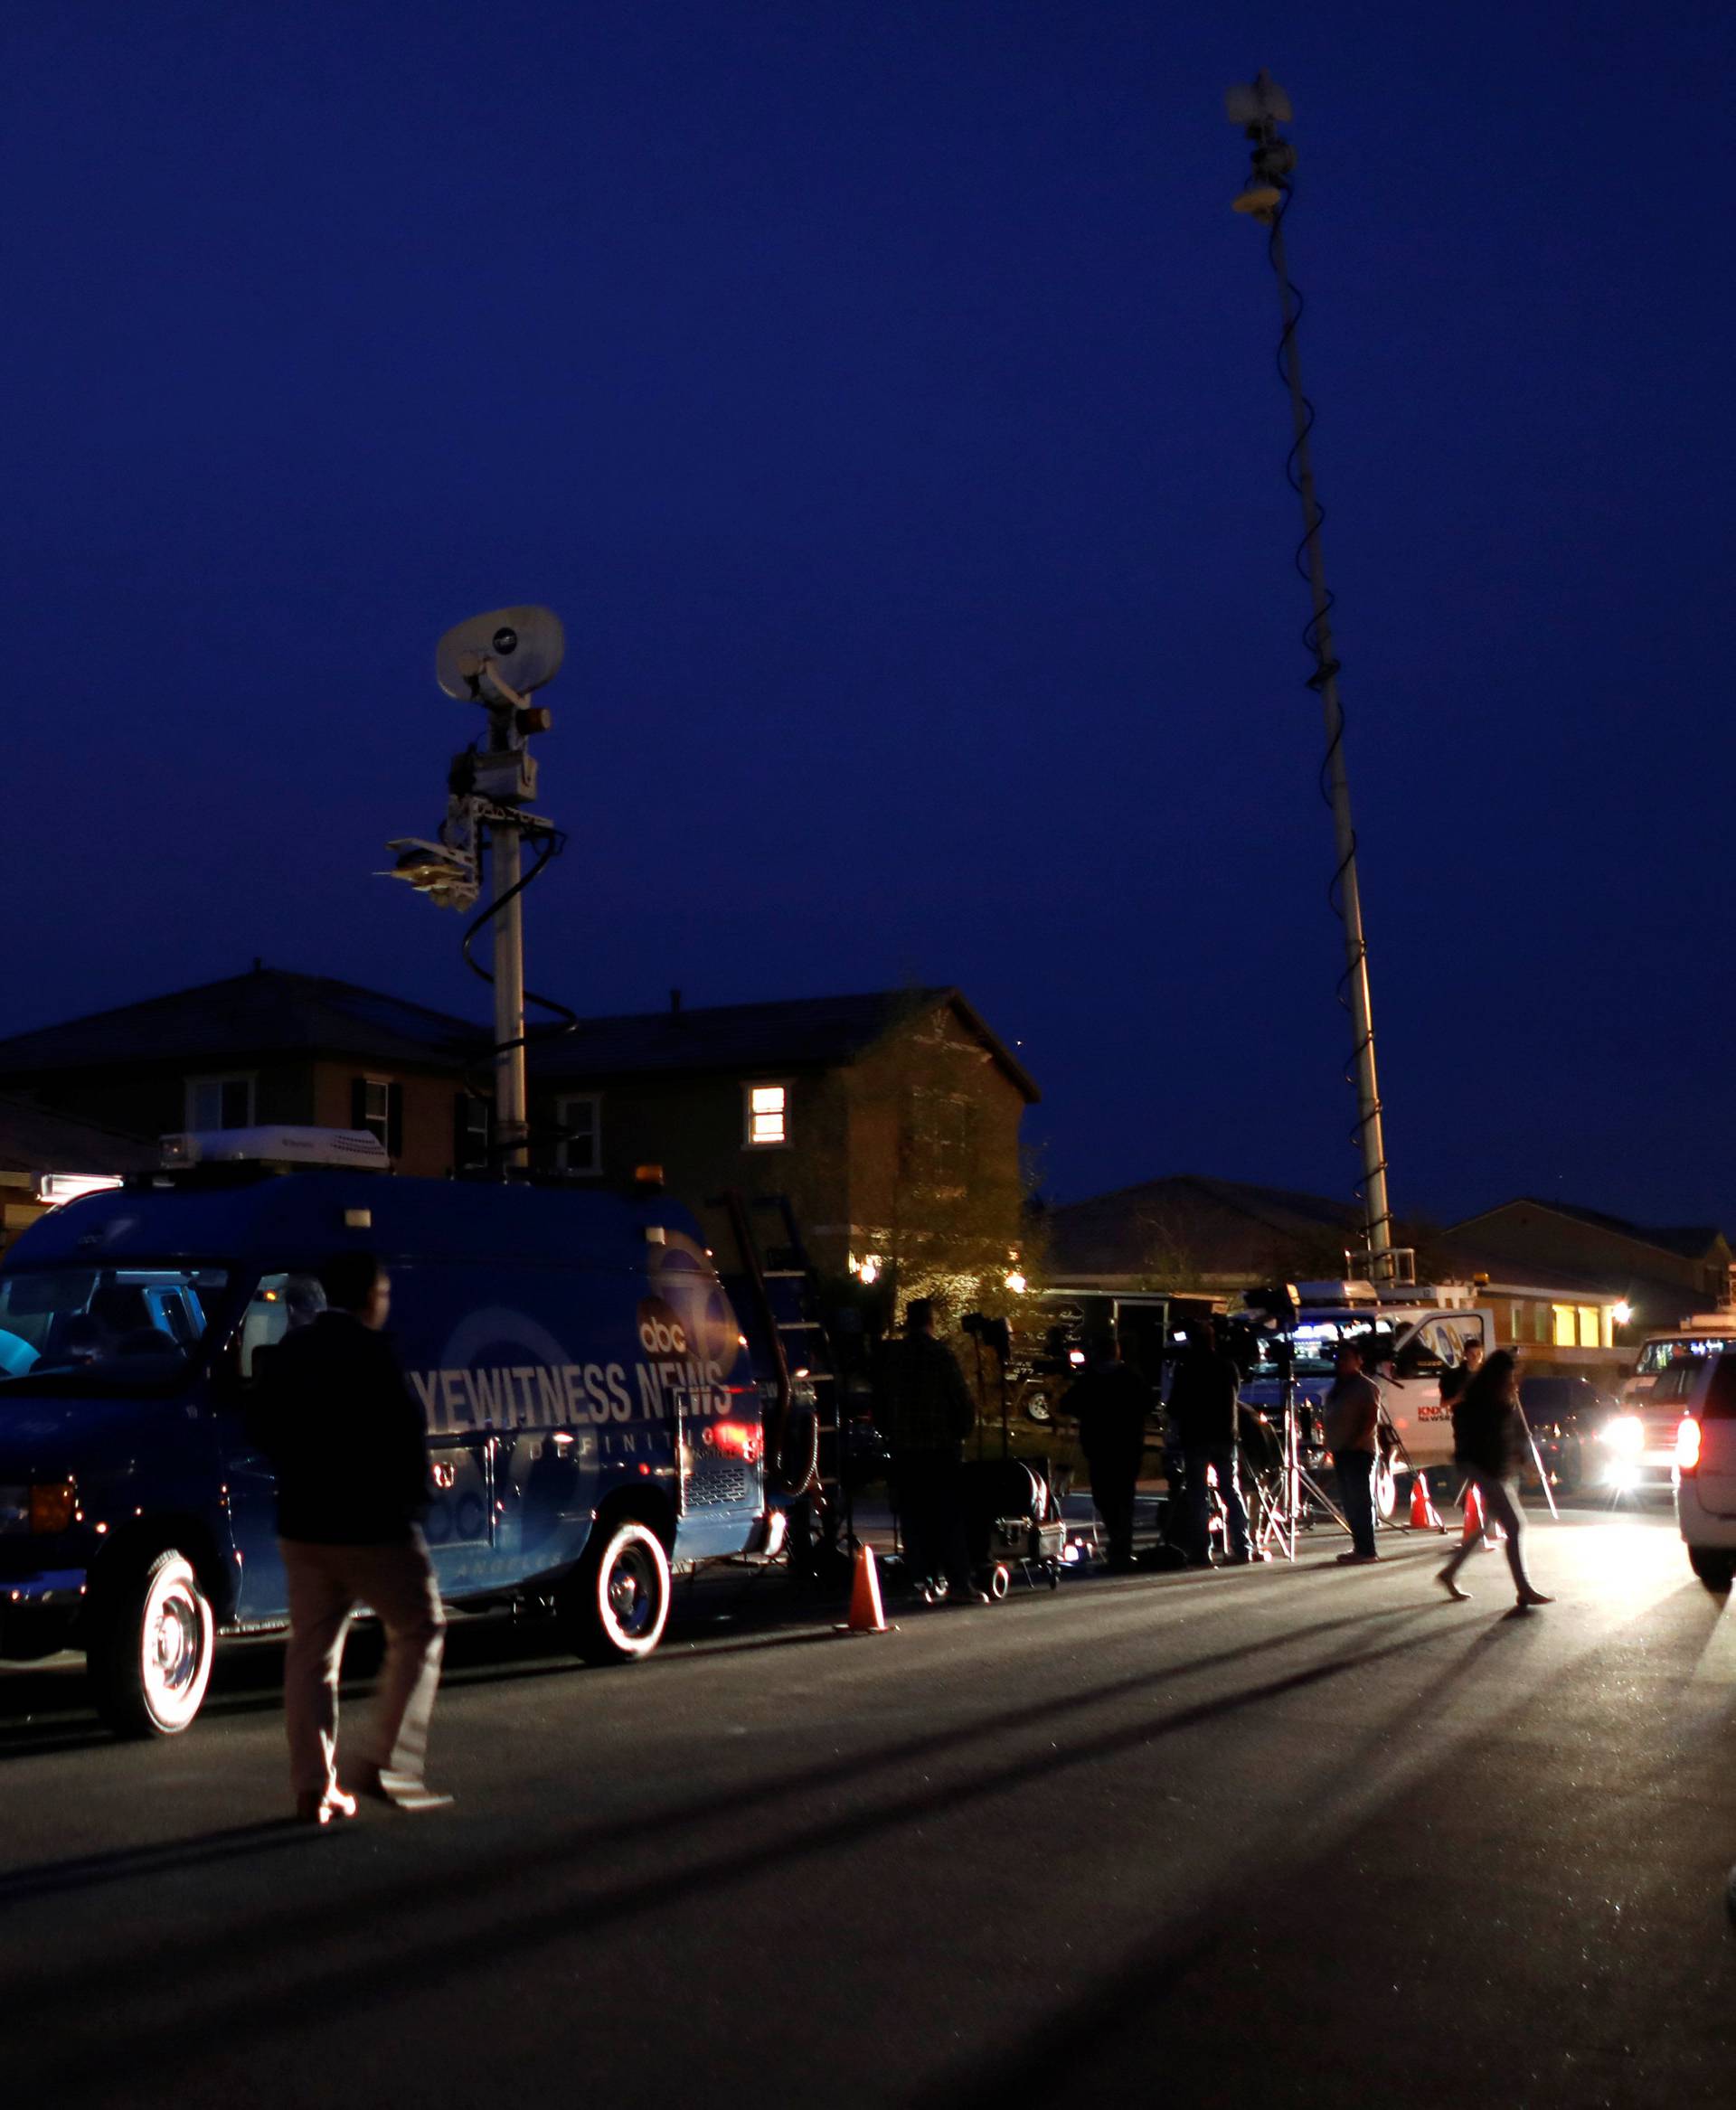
pixel 1706 1471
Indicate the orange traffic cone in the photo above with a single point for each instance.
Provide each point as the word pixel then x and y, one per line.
pixel 1477 1518
pixel 1424 1515
pixel 866 1617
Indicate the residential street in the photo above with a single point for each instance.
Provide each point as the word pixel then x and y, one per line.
pixel 1304 1836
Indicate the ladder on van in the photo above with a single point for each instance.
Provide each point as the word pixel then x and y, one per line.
pixel 806 1434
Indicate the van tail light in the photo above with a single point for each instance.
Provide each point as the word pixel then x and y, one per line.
pixel 1687 1445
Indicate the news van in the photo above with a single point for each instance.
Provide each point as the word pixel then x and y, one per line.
pixel 593 1420
pixel 1411 1335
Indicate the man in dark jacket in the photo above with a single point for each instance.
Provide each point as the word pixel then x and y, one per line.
pixel 1111 1404
pixel 338 1423
pixel 1204 1396
pixel 925 1413
pixel 1351 1416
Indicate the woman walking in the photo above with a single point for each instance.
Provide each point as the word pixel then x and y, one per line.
pixel 1489 1437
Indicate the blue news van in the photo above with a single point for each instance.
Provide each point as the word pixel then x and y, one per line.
pixel 593 1420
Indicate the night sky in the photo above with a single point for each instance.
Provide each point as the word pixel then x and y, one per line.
pixel 883 394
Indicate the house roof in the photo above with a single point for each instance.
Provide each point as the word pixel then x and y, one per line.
pixel 1690 1242
pixel 267 1012
pixel 33 1140
pixel 1218 1228
pixel 273 1011
pixel 805 1032
pixel 1226 1231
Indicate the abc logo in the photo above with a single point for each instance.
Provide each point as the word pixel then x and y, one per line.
pixel 660 1332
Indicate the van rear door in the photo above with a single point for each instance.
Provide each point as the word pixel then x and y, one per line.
pixel 1717 1469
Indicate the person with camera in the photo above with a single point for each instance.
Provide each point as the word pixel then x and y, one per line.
pixel 1111 1404
pixel 1204 1418
pixel 924 1410
pixel 1488 1443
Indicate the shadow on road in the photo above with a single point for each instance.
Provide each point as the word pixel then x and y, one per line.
pixel 432 1958
pixel 230 1844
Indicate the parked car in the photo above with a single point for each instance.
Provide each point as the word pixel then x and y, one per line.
pixel 1568 1416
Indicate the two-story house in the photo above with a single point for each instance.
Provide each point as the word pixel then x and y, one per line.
pixel 267 1047
pixel 890 1120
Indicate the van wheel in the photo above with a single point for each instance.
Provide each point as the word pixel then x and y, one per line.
pixel 1714 1568
pixel 150 1656
pixel 617 1604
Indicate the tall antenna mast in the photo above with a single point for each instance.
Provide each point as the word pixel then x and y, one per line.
pixel 1260 107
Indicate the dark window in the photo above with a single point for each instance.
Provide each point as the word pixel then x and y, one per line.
pixel 377 1105
pixel 1720 1393
pixel 470 1125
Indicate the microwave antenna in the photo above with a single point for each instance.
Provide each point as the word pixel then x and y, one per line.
pixel 498 660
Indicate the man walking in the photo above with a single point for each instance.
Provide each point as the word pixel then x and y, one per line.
pixel 925 1413
pixel 1204 1410
pixel 1111 1404
pixel 1351 1416
pixel 348 1442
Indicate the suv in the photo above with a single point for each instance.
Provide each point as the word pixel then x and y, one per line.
pixel 1705 1472
pixel 1567 1415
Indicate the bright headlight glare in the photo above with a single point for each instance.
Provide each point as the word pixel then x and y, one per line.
pixel 1626 1435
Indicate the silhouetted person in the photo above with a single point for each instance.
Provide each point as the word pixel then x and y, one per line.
pixel 348 1441
pixel 1488 1442
pixel 1352 1415
pixel 1456 1376
pixel 925 1413
pixel 1112 1405
pixel 1203 1414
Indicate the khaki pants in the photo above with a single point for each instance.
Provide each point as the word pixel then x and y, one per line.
pixel 326 1584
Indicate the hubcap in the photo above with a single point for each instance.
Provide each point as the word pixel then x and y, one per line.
pixel 175 1653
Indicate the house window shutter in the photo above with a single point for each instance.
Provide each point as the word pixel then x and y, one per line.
pixel 358 1102
pixel 394 1120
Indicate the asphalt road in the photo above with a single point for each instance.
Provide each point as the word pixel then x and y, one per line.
pixel 1298 1836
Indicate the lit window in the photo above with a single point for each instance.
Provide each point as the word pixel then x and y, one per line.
pixel 1566 1329
pixel 219 1102
pixel 767 1106
pixel 1590 1329
pixel 580 1148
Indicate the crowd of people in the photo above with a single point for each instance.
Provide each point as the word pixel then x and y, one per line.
pixel 925 1412
pixel 356 1540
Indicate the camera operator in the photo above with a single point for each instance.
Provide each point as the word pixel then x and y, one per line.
pixel 1203 1406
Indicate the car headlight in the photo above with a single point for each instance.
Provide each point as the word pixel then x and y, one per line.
pixel 1626 1436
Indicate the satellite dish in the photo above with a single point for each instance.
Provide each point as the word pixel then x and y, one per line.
pixel 1251 102
pixel 524 645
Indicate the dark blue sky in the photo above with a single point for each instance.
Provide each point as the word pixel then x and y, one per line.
pixel 883 395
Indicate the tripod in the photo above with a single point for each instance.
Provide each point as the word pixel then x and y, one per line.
pixel 1282 1508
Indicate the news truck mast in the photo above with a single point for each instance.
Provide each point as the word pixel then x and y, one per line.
pixel 497 660
pixel 1260 107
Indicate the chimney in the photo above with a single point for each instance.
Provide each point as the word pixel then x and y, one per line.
pixel 674 1004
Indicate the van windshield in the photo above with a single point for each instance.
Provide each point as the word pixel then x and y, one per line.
pixel 1658 1355
pixel 105 1324
pixel 1316 1343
